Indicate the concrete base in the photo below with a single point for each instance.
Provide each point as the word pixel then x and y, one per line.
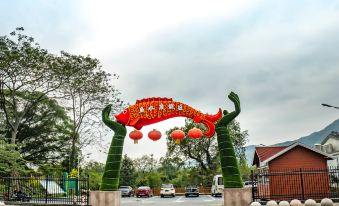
pixel 105 198
pixel 237 196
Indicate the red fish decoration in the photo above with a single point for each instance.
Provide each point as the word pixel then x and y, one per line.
pixel 152 110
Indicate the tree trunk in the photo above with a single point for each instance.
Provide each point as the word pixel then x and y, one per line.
pixel 13 135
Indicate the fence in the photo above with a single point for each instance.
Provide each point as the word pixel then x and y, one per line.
pixel 299 184
pixel 45 190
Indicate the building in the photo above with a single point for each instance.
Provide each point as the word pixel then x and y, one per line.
pixel 295 171
pixel 330 145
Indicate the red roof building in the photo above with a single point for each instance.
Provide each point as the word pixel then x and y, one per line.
pixel 286 169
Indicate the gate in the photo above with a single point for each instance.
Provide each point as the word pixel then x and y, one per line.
pixel 299 184
pixel 45 190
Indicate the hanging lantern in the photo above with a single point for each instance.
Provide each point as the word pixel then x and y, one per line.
pixel 154 135
pixel 177 135
pixel 135 135
pixel 194 133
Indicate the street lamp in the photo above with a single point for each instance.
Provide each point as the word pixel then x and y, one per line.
pixel 327 105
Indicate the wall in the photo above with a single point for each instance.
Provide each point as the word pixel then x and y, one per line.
pixel 296 184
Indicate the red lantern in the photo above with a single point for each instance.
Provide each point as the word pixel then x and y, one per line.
pixel 135 135
pixel 177 135
pixel 194 133
pixel 154 135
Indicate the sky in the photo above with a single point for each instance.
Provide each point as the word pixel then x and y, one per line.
pixel 280 57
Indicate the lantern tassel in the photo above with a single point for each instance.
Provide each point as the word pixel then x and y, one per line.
pixel 177 141
pixel 135 141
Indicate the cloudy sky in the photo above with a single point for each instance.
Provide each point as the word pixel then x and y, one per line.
pixel 281 57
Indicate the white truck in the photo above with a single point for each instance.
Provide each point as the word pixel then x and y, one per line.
pixel 217 185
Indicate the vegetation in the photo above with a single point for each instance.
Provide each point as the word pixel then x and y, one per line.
pixel 111 176
pixel 229 162
pixel 49 104
pixel 49 111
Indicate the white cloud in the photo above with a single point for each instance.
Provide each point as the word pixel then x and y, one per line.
pixel 120 25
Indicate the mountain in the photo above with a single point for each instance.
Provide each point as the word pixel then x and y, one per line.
pixel 249 151
pixel 310 140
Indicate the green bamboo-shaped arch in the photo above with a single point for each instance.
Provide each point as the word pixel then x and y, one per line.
pixel 110 178
pixel 229 164
pixel 228 160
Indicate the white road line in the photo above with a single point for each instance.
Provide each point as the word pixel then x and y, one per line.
pixel 211 198
pixel 179 199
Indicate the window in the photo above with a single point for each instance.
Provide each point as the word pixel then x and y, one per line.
pixel 220 181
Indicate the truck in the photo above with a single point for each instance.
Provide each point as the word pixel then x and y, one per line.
pixel 217 186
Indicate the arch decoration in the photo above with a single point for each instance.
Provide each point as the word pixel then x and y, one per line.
pixel 153 110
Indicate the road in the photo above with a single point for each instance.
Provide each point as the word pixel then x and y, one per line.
pixel 203 200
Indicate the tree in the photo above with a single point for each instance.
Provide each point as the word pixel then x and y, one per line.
pixel 85 92
pixel 94 170
pixel 42 136
pixel 202 151
pixel 169 167
pixel 146 164
pixel 128 172
pixel 10 159
pixel 25 67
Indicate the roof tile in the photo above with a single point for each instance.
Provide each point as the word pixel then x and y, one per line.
pixel 266 152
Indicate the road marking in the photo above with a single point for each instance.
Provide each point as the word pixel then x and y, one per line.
pixel 179 199
pixel 211 198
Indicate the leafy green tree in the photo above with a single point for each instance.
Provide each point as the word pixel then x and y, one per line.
pixel 25 67
pixel 127 172
pixel 203 151
pixel 10 160
pixel 86 90
pixel 146 164
pixel 154 179
pixel 169 167
pixel 42 136
pixel 95 171
pixel 52 169
pixel 202 154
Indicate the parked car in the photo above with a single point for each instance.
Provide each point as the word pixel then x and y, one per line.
pixel 248 184
pixel 217 185
pixel 144 191
pixel 126 191
pixel 191 190
pixel 167 190
pixel 252 185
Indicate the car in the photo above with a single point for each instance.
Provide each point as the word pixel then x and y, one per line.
pixel 126 191
pixel 144 191
pixel 167 190
pixel 248 184
pixel 191 190
pixel 217 186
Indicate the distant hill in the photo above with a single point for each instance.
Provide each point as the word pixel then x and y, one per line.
pixel 314 138
pixel 249 151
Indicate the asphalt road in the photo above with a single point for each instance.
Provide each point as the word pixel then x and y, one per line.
pixel 205 200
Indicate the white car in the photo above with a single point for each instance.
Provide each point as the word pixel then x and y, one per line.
pixel 167 190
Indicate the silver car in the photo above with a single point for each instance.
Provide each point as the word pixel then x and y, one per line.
pixel 126 191
pixel 167 190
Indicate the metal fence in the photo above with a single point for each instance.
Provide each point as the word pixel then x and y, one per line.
pixel 45 190
pixel 299 184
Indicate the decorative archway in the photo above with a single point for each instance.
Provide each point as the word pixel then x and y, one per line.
pixel 152 110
